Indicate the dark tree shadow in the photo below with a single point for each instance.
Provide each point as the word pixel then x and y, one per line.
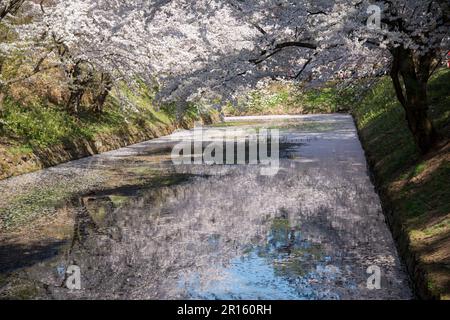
pixel 17 256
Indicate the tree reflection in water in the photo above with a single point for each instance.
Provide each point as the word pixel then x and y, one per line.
pixel 301 234
pixel 309 232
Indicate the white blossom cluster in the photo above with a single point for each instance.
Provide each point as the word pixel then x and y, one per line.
pixel 219 48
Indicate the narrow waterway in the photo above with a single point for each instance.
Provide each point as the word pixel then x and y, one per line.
pixel 198 231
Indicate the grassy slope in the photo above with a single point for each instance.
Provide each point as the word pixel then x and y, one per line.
pixel 415 189
pixel 39 134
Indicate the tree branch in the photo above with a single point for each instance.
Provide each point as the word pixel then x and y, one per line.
pixel 10 7
pixel 279 46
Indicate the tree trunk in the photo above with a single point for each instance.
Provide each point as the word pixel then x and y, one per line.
pixel 79 83
pixel 74 87
pixel 414 72
pixel 105 88
pixel 75 100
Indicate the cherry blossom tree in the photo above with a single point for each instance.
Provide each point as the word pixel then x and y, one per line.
pixel 217 49
pixel 15 38
pixel 416 33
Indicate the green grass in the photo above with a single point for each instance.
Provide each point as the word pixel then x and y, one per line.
pixel 416 187
pixel 381 120
pixel 287 98
pixel 43 124
pixel 21 150
pixel 31 131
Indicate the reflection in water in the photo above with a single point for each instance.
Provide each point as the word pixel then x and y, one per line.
pixel 226 232
pixel 284 267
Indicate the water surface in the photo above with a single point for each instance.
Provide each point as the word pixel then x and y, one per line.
pixel 228 232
